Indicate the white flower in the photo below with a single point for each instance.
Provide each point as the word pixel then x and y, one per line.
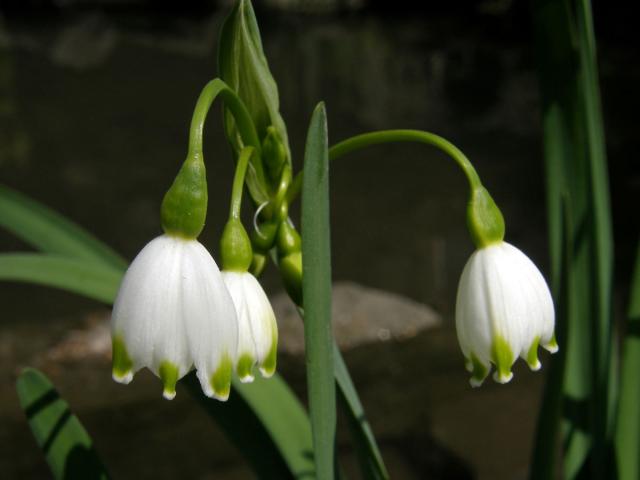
pixel 257 328
pixel 173 312
pixel 503 310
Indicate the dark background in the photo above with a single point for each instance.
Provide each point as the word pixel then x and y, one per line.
pixel 95 104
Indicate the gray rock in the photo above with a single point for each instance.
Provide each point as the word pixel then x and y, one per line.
pixel 361 315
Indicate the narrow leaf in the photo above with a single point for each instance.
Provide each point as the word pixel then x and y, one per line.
pixel 49 231
pixel 369 456
pixel 627 440
pixel 80 276
pixel 577 179
pixel 64 441
pixel 316 294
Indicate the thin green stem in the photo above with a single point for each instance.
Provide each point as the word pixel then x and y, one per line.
pixel 209 93
pixel 364 140
pixel 238 182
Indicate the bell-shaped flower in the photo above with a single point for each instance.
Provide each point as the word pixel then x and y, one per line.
pixel 503 310
pixel 173 312
pixel 257 328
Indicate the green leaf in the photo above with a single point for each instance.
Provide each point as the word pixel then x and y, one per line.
pixel 627 440
pixel 369 457
pixel 243 66
pixel 64 441
pixel 81 276
pixel 316 294
pixel 49 231
pixel 577 179
pixel 268 425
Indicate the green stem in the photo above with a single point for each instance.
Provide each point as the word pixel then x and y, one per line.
pixel 238 182
pixel 240 113
pixel 388 136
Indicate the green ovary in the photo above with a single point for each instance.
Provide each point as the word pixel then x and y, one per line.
pixel 221 379
pixel 122 363
pixel 502 356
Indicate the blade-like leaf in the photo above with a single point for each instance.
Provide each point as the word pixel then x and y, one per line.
pixel 369 456
pixel 316 294
pixel 64 441
pixel 81 276
pixel 577 178
pixel 49 231
pixel 267 424
pixel 627 440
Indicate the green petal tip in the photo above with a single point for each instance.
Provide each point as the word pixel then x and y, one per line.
pixel 221 380
pixel 169 375
pixel 478 370
pixel 244 368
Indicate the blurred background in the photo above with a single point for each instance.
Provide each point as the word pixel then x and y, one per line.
pixel 96 98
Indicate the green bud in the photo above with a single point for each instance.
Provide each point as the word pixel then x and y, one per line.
pixel 243 66
pixel 289 245
pixel 184 207
pixel 258 263
pixel 288 240
pixel 291 273
pixel 274 154
pixel 263 238
pixel 484 219
pixel 235 247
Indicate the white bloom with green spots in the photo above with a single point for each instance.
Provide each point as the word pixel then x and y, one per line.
pixel 172 313
pixel 503 310
pixel 257 328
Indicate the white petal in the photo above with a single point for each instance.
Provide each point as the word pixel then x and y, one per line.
pixel 257 332
pixel 246 346
pixel 211 322
pixel 263 323
pixel 147 313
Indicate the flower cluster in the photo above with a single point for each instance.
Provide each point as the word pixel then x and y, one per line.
pixel 176 311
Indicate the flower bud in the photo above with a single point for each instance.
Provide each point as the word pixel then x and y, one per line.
pixel 290 260
pixel 243 66
pixel 274 154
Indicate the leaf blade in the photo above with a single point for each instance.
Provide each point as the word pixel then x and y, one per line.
pixel 316 293
pixel 51 232
pixel 66 444
pixel 80 276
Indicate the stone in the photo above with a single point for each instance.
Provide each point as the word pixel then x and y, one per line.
pixel 361 315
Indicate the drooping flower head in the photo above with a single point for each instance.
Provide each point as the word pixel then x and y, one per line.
pixel 257 328
pixel 504 309
pixel 173 311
